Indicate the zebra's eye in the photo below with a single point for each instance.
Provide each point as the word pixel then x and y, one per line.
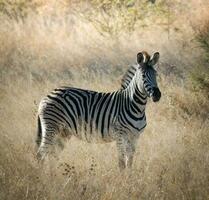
pixel 143 76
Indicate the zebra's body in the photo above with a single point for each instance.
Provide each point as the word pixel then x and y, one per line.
pixel 96 117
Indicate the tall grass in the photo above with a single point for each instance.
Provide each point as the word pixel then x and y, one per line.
pixel 200 74
pixel 56 46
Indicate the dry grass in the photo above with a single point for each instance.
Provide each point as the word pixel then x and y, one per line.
pixel 47 50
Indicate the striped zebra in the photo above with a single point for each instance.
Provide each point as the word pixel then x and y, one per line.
pixel 101 117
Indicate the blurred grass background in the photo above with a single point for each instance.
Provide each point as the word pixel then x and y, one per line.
pixel 90 44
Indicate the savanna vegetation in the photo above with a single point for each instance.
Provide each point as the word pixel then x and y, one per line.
pixel 90 44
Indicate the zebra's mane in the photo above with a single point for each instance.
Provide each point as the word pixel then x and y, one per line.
pixel 128 76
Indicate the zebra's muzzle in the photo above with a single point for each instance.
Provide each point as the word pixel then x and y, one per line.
pixel 156 94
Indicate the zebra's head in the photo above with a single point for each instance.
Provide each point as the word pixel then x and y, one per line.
pixel 148 74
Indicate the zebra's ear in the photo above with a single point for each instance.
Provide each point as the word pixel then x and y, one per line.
pixel 140 58
pixel 154 59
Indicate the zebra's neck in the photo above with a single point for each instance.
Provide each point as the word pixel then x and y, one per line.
pixel 135 99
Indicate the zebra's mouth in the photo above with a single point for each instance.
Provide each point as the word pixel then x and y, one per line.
pixel 155 99
pixel 156 95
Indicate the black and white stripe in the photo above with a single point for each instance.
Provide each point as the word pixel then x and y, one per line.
pixel 100 117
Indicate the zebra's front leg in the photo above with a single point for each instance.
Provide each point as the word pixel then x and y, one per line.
pixel 126 150
pixel 130 151
pixel 121 160
pixel 121 153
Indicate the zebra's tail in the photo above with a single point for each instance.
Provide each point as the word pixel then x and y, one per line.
pixel 39 133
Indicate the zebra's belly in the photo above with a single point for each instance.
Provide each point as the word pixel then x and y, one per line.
pixel 110 134
pixel 94 136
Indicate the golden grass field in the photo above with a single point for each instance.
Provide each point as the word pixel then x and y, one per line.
pixel 44 45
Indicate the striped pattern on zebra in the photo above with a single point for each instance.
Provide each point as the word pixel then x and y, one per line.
pixel 101 117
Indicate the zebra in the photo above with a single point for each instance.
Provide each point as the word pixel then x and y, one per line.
pixel 101 117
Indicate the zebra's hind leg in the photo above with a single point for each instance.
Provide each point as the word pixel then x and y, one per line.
pixel 49 132
pixel 61 138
